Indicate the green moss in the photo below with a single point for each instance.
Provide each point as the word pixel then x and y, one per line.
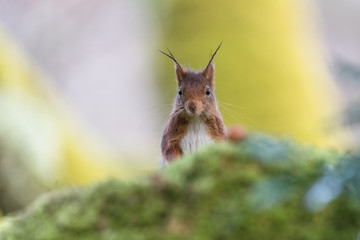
pixel 259 189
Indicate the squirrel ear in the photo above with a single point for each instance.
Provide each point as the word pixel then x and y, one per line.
pixel 209 73
pixel 180 73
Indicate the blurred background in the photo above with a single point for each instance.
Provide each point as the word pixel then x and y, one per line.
pixel 84 92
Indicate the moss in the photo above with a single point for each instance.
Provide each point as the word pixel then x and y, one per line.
pixel 261 188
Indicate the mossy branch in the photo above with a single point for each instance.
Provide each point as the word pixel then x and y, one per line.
pixel 261 188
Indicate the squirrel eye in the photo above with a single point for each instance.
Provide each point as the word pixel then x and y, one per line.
pixel 180 92
pixel 208 91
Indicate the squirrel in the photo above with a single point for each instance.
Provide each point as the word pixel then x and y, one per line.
pixel 195 120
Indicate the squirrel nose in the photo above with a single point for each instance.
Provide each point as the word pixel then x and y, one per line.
pixel 192 107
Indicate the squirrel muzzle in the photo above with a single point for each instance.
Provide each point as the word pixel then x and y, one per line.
pixel 194 107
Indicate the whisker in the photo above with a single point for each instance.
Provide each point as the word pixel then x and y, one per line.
pixel 242 113
pixel 231 105
pixel 227 112
pixel 163 110
pixel 238 117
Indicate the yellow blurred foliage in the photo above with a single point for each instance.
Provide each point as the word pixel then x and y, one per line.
pixel 81 158
pixel 270 65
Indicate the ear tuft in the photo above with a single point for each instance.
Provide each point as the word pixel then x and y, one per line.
pixel 180 73
pixel 209 72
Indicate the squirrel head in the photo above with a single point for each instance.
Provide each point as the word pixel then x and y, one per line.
pixel 195 89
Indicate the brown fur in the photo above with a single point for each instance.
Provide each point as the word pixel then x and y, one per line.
pixel 174 131
pixel 193 102
pixel 215 127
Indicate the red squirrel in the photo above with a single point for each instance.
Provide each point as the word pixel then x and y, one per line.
pixel 195 120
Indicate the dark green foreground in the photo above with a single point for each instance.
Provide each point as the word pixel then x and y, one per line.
pixel 259 189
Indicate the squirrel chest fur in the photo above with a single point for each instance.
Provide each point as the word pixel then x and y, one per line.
pixel 195 120
pixel 195 137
